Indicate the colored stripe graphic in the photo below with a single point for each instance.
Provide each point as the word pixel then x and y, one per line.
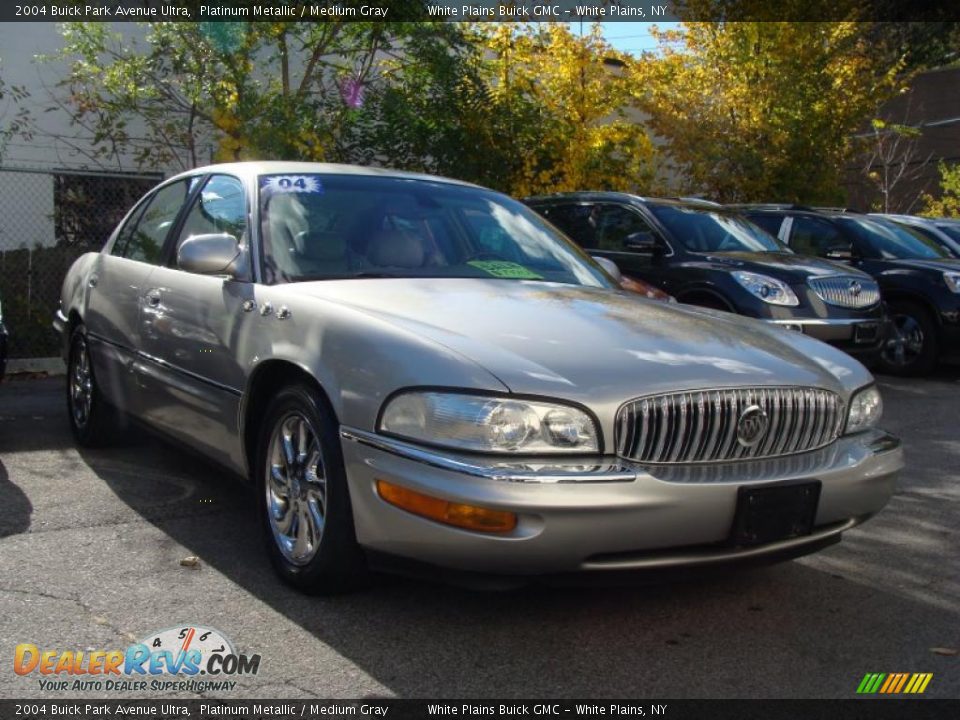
pixel 894 683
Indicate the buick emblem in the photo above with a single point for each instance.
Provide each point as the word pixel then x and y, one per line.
pixel 855 288
pixel 751 426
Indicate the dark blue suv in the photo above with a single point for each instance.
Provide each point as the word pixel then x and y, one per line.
pixel 919 279
pixel 707 255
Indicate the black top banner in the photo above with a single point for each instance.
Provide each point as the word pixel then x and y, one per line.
pixel 477 10
pixel 545 709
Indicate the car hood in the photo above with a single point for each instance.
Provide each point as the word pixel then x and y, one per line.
pixel 784 266
pixel 589 344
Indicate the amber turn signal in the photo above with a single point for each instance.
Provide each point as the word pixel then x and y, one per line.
pixel 469 517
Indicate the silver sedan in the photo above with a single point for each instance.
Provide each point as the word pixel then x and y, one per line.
pixel 418 372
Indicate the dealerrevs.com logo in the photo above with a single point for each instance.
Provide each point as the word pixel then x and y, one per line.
pixel 184 658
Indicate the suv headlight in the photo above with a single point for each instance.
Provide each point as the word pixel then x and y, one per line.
pixel 768 289
pixel 952 279
pixel 478 423
pixel 866 407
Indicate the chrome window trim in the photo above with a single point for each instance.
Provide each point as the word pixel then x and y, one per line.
pixel 555 471
pixel 826 321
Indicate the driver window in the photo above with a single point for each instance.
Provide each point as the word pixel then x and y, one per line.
pixel 219 208
pixel 811 236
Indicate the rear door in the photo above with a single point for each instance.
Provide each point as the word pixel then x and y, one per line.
pixel 115 294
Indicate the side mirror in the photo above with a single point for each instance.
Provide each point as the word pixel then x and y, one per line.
pixel 610 266
pixel 641 242
pixel 212 254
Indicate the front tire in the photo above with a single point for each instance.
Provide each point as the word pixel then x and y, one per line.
pixel 94 422
pixel 911 350
pixel 304 499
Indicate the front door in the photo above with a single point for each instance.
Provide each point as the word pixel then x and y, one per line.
pixel 192 327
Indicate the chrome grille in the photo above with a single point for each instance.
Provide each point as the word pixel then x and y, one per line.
pixel 846 290
pixel 707 425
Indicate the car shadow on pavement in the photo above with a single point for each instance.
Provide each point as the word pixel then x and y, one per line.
pixel 26 420
pixel 17 509
pixel 782 631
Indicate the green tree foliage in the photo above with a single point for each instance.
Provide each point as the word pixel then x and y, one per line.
pixel 948 204
pixel 15 119
pixel 189 91
pixel 563 103
pixel 762 111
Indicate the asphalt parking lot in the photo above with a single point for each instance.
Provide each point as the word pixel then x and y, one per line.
pixel 91 544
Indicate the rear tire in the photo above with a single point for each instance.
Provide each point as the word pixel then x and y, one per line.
pixel 94 422
pixel 304 499
pixel 911 350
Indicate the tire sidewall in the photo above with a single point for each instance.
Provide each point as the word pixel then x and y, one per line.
pixel 339 563
pixel 926 361
pixel 85 435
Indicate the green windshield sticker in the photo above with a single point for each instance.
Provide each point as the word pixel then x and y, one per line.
pixel 504 269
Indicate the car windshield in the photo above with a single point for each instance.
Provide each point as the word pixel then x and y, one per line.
pixel 890 240
pixel 708 231
pixel 323 226
pixel 950 229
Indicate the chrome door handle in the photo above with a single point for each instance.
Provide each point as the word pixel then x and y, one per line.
pixel 153 299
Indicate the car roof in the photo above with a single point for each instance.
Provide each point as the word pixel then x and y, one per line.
pixel 252 168
pixel 612 196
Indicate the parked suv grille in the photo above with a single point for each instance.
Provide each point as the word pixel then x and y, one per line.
pixel 846 291
pixel 732 424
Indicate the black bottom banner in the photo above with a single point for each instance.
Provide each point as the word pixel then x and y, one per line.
pixel 866 709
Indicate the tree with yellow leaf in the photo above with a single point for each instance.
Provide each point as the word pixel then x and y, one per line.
pixel 575 87
pixel 948 202
pixel 763 111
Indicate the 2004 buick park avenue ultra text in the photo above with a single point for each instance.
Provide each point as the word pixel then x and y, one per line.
pixel 420 369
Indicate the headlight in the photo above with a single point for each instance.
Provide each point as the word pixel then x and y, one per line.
pixel 866 407
pixel 952 279
pixel 489 424
pixel 768 289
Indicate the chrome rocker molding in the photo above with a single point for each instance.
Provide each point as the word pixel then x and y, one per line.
pixel 553 472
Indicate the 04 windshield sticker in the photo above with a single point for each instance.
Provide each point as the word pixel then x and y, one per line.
pixel 505 269
pixel 291 183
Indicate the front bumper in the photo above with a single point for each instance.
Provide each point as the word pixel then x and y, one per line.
pixel 603 514
pixel 856 336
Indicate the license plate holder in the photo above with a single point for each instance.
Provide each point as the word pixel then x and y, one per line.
pixel 770 513
pixel 866 332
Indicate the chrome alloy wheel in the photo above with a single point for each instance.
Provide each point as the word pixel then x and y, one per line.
pixel 81 384
pixel 296 488
pixel 906 343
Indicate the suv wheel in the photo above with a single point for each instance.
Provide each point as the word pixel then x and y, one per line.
pixel 911 348
pixel 303 496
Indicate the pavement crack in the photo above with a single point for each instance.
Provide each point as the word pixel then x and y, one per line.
pixel 94 615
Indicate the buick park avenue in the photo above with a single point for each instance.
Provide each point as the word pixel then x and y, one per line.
pixel 418 372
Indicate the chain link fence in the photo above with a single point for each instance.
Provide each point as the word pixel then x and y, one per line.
pixel 47 220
